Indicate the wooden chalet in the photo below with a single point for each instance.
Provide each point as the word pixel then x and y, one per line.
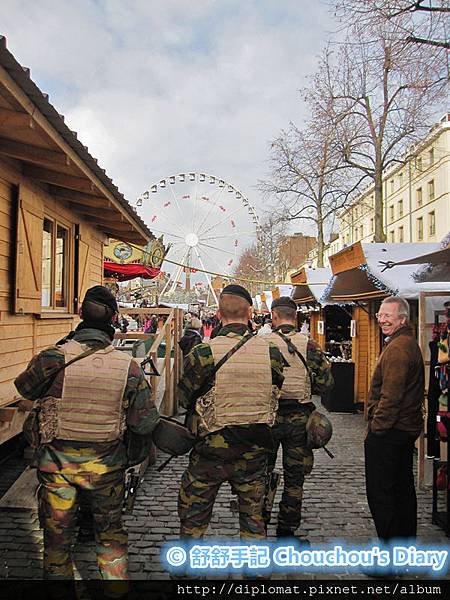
pixel 360 276
pixel 309 286
pixel 58 209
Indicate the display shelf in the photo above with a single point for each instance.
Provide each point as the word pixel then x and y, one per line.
pixel 441 498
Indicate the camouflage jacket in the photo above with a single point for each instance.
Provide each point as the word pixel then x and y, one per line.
pixel 142 415
pixel 317 363
pixel 198 378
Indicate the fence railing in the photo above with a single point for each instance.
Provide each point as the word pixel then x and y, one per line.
pixel 164 352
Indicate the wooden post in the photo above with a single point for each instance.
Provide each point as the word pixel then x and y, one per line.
pixel 168 395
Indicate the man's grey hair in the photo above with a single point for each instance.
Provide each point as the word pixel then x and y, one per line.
pixel 403 305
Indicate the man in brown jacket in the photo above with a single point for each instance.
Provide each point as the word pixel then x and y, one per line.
pixel 395 422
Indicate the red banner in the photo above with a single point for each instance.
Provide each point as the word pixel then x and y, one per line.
pixel 130 271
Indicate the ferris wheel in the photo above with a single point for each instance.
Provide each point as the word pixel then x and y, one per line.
pixel 206 222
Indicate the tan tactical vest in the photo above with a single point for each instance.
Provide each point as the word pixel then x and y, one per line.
pixel 243 392
pixel 91 408
pixel 296 385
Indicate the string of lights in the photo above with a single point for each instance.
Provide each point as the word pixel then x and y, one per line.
pixel 230 277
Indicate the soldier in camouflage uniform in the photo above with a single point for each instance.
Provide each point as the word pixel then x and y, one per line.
pixel 82 450
pixel 234 442
pixel 295 407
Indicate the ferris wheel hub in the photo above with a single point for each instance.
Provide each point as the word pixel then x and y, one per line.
pixel 191 240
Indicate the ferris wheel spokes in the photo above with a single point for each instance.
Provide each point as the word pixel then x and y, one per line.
pixel 221 221
pixel 177 204
pixel 218 249
pixel 228 235
pixel 208 279
pixel 211 207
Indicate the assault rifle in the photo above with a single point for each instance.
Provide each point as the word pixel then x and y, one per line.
pixel 132 481
pixel 272 482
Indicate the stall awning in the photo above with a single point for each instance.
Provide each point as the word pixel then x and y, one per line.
pixel 310 284
pixel 436 265
pixel 359 272
pixel 130 271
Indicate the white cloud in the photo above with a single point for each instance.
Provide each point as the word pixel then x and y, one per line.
pixel 162 86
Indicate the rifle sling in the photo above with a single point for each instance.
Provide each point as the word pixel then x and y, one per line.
pixel 51 376
pixel 222 361
pixel 293 349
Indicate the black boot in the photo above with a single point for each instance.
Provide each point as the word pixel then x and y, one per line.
pixel 287 535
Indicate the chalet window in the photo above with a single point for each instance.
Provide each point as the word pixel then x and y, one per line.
pixel 431 190
pixel 431 223
pixel 55 265
pixel 420 228
pixel 419 197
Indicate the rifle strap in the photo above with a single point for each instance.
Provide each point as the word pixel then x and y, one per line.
pixel 294 350
pixel 233 350
pixel 54 373
pixel 217 366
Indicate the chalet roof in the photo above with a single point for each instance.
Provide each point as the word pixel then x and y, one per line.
pixel 359 272
pixel 309 284
pixel 33 132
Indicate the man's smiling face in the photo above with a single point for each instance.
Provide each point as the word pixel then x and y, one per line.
pixel 388 318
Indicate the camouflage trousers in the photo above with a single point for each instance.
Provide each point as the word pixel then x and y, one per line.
pixel 200 484
pixel 58 504
pixel 290 431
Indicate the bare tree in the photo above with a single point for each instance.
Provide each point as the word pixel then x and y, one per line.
pixel 260 262
pixel 377 94
pixel 424 22
pixel 306 177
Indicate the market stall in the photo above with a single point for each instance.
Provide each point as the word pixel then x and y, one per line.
pixel 330 326
pixel 360 275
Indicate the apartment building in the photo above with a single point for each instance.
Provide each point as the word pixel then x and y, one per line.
pixel 416 206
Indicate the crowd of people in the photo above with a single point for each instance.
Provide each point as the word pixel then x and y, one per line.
pixel 93 408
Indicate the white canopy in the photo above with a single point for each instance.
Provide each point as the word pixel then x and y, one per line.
pixel 368 276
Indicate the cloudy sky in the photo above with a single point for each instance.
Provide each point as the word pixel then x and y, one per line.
pixel 158 87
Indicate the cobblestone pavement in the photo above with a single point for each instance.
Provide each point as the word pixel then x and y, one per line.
pixel 335 509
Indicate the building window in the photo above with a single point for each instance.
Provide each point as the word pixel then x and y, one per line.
pixel 400 208
pixel 55 260
pixel 419 163
pixel 400 235
pixel 392 186
pixel 361 232
pixel 419 197
pixel 372 225
pixel 391 212
pixel 420 228
pixel 400 179
pixel 431 223
pixel 431 156
pixel 391 237
pixel 431 190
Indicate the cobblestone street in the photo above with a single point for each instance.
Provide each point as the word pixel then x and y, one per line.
pixel 335 509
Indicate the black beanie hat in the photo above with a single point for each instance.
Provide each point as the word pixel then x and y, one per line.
pixel 100 294
pixel 238 290
pixel 283 301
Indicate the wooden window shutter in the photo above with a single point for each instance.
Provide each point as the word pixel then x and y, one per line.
pixel 83 263
pixel 28 276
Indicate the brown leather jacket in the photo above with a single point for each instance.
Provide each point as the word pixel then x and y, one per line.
pixel 397 391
